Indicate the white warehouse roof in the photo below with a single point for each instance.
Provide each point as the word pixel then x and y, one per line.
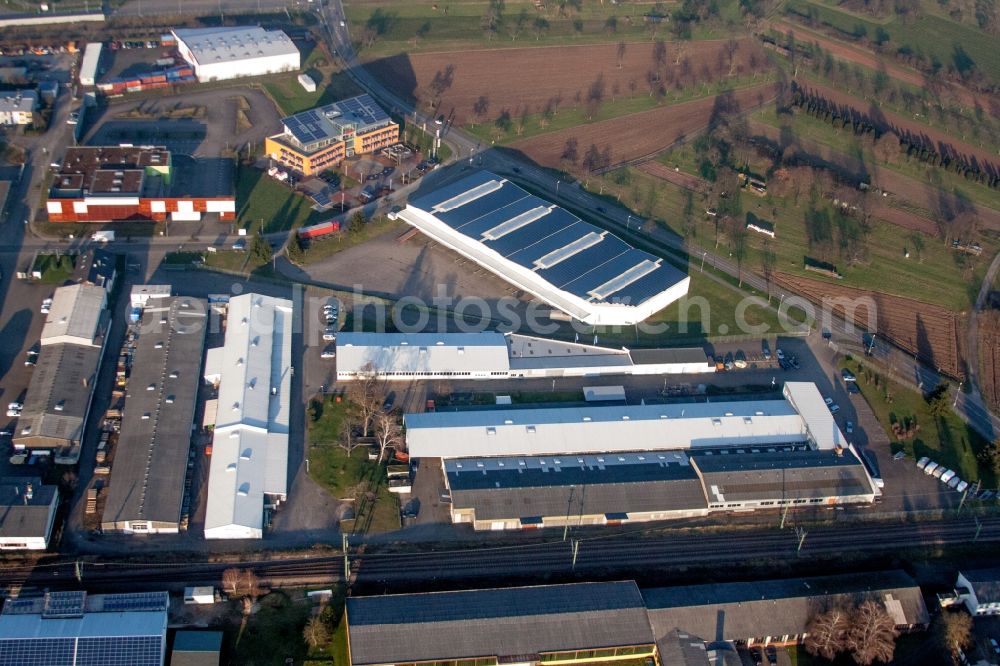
pixel 408 355
pixel 601 429
pixel 583 270
pixel 75 314
pixel 214 45
pixel 250 445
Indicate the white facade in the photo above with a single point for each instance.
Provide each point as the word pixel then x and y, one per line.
pixel 249 467
pixel 17 107
pixel 410 356
pixel 27 513
pixel 980 591
pixel 217 54
pixel 582 270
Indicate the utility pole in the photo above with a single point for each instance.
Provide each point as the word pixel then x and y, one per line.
pixel 801 533
pixel 965 493
pixel 347 563
pixel 78 569
pixel 784 514
pixel 979 527
pixel 569 505
pixel 956 395
pixel 576 550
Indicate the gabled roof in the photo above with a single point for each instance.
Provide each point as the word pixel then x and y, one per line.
pixel 499 622
pixel 985 584
pixel 75 314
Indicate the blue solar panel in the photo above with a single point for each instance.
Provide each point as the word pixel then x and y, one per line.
pixel 37 652
pixel 480 225
pixel 587 280
pixel 120 651
pixel 433 198
pixel 542 246
pixel 540 233
pixel 652 284
pixel 596 261
pixel 459 217
pixel 140 601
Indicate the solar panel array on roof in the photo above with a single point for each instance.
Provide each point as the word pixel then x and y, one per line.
pixel 330 122
pixel 141 601
pixel 64 604
pixel 559 247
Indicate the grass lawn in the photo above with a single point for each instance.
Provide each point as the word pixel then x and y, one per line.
pixel 269 204
pixel 945 439
pixel 945 277
pixel 55 268
pixel 931 34
pixel 535 397
pixel 349 476
pixel 331 85
pixel 424 25
pixel 325 247
pixel 274 633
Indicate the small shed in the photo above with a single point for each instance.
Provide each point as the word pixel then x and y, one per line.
pixel 199 595
pixel 307 82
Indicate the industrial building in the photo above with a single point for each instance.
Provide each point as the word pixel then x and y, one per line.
pixel 17 107
pixel 532 492
pixel 27 513
pixel 146 490
pixel 196 648
pixel 605 429
pixel 524 625
pixel 110 183
pixel 491 355
pixel 253 371
pixel 979 591
pixel 321 138
pixel 778 611
pixel 79 629
pixel 588 273
pixel 62 385
pixel 217 54
pixel 694 625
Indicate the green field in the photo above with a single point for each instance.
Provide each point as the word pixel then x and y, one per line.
pixel 945 277
pixel 54 268
pixel 945 439
pixel 931 34
pixel 425 25
pixel 331 85
pixel 268 204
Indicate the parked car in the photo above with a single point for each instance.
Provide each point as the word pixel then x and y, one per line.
pixel 962 485
pixel 849 428
pixel 772 654
pixel 930 467
pixel 46 306
pixel 834 408
pixel 240 245
pixel 780 354
pixel 947 476
pixel 329 352
pixel 32 358
pixel 996 646
pixel 828 401
pixel 848 375
pixel 329 334
pixel 853 388
pixel 922 463
pixel 740 359
pixel 14 408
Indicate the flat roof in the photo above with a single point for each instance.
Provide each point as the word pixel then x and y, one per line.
pixel 55 406
pixel 536 235
pixel 422 352
pixel 776 607
pixel 147 480
pixel 539 487
pixel 75 314
pixel 210 46
pixel 782 475
pixel 18 101
pixel 509 622
pixel 666 355
pixel 985 583
pixel 106 170
pixel 336 121
pixel 20 517
pixel 600 428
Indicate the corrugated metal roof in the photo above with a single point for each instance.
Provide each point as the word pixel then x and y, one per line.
pixel 75 314
pixel 213 45
pixel 147 481
pixel 250 443
pixel 498 622
pixel 808 401
pixel 56 402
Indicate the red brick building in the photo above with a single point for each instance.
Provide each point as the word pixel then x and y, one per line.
pixel 112 183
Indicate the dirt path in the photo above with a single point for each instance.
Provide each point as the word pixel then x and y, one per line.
pixel 664 172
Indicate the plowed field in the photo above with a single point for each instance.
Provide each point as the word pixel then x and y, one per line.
pixel 929 331
pixel 639 134
pixel 514 78
pixel 989 349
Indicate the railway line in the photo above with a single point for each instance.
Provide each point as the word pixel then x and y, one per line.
pixel 617 555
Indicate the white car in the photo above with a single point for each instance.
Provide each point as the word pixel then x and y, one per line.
pixel 46 305
pixel 930 467
pixel 922 463
pixel 328 353
pixel 14 409
pixel 780 354
pixel 828 401
pixel 329 335
pixel 947 476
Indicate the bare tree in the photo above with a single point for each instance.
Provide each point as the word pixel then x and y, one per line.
pixel 872 636
pixel 315 633
pixel 739 238
pixel 251 585
pixel 827 633
pixel 366 395
pixel 595 96
pixel 620 53
pixel 387 432
pixel 231 581
pixel 347 440
pixel 481 107
pixel 953 631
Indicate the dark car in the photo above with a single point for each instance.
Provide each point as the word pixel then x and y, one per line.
pixel 601 209
pixel 757 655
pixel 772 654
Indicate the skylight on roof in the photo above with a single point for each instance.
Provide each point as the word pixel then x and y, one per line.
pixel 516 222
pixel 637 272
pixel 468 196
pixel 567 251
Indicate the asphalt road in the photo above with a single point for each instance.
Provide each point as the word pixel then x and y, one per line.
pixel 618 555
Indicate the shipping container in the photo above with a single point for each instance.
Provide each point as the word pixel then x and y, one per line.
pixel 320 229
